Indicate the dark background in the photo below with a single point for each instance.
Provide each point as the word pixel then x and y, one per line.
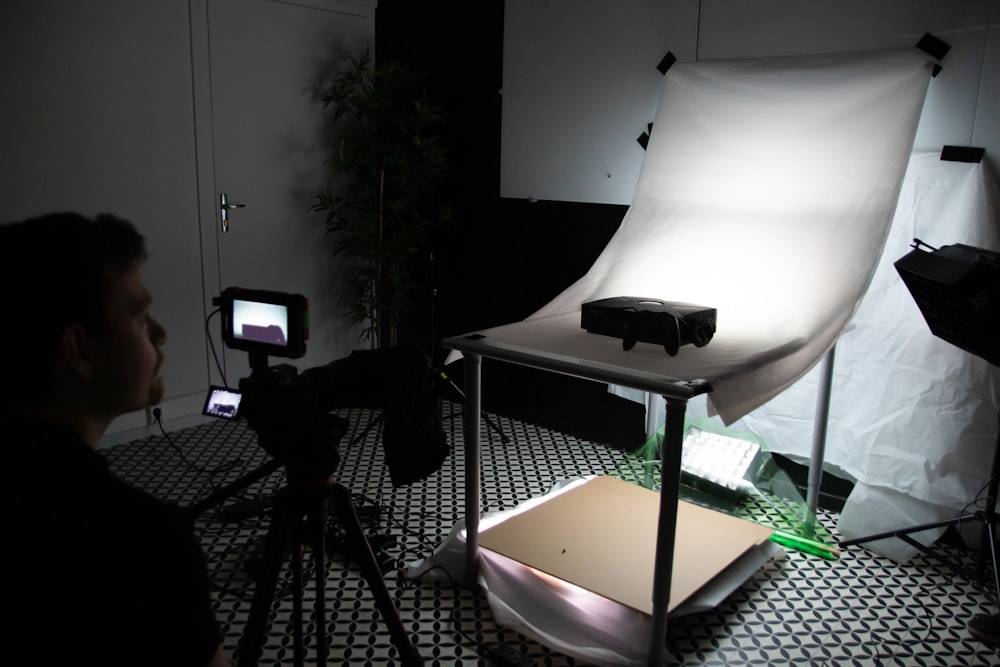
pixel 504 258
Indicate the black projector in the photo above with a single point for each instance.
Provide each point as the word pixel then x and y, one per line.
pixel 670 324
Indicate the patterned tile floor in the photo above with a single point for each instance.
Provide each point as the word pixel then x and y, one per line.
pixel 859 610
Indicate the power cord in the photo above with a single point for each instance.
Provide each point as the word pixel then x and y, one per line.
pixel 225 467
pixel 882 649
pixel 211 345
pixel 499 653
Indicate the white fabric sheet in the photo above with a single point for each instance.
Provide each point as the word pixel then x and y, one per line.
pixel 912 417
pixel 766 192
pixel 562 616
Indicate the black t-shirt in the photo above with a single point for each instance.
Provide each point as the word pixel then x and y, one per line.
pixel 95 572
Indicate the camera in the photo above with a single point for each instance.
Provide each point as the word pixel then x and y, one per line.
pixel 291 411
pixel 286 413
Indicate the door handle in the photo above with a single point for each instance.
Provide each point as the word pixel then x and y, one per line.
pixel 224 207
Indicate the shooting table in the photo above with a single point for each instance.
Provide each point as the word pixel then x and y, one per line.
pixel 558 344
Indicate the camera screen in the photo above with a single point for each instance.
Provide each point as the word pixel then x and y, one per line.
pixel 222 403
pixel 260 322
pixel 264 322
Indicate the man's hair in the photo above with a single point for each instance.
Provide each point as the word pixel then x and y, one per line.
pixel 55 271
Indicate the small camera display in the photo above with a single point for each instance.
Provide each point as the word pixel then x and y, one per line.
pixel 223 403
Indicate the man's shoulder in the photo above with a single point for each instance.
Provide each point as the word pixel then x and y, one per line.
pixel 142 518
pixel 54 476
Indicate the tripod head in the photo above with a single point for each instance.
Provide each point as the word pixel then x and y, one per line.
pixel 292 425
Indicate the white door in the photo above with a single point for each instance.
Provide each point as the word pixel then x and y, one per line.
pixel 265 58
pixel 96 117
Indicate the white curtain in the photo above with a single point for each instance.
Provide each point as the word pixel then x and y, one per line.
pixel 766 192
pixel 912 418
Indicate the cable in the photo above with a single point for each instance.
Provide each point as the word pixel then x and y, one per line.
pixel 456 607
pixel 211 345
pixel 225 467
pixel 498 652
pixel 896 649
pixel 387 511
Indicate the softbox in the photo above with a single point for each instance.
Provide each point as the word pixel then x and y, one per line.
pixel 957 288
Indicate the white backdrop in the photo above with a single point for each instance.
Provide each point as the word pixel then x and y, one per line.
pixel 767 192
pixel 912 418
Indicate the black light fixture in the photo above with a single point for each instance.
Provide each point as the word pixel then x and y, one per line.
pixel 957 288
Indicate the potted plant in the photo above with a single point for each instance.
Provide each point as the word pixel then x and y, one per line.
pixel 383 198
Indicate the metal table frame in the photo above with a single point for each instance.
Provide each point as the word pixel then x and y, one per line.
pixel 675 391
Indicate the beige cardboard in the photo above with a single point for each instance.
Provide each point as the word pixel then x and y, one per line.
pixel 601 535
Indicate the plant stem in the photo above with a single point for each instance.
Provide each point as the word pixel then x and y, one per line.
pixel 377 307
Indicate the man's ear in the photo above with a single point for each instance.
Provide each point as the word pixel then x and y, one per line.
pixel 75 350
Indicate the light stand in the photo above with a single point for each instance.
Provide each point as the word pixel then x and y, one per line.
pixel 957 288
pixel 987 517
pixel 444 376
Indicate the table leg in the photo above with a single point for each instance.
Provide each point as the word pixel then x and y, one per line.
pixel 473 483
pixel 670 480
pixel 819 442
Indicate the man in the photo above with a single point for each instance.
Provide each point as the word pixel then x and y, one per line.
pixel 96 571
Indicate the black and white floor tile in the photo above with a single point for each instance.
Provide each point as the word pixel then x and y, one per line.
pixel 860 609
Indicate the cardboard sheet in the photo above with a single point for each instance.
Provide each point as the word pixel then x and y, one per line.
pixel 601 536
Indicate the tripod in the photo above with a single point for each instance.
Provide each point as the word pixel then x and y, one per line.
pixel 439 373
pixel 482 413
pixel 987 517
pixel 299 518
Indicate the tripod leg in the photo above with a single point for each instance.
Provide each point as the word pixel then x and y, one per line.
pixel 344 508
pixel 297 634
pixel 991 540
pixel 278 534
pixel 482 413
pixel 317 527
pixel 196 510
pixel 378 419
pixel 989 516
pixel 315 524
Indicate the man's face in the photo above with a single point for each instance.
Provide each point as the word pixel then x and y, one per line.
pixel 128 359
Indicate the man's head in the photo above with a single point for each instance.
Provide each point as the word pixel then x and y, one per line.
pixel 76 315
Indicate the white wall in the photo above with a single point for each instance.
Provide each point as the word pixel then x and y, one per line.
pixel 580 80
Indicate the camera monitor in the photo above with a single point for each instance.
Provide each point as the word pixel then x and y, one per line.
pixel 265 322
pixel 222 402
